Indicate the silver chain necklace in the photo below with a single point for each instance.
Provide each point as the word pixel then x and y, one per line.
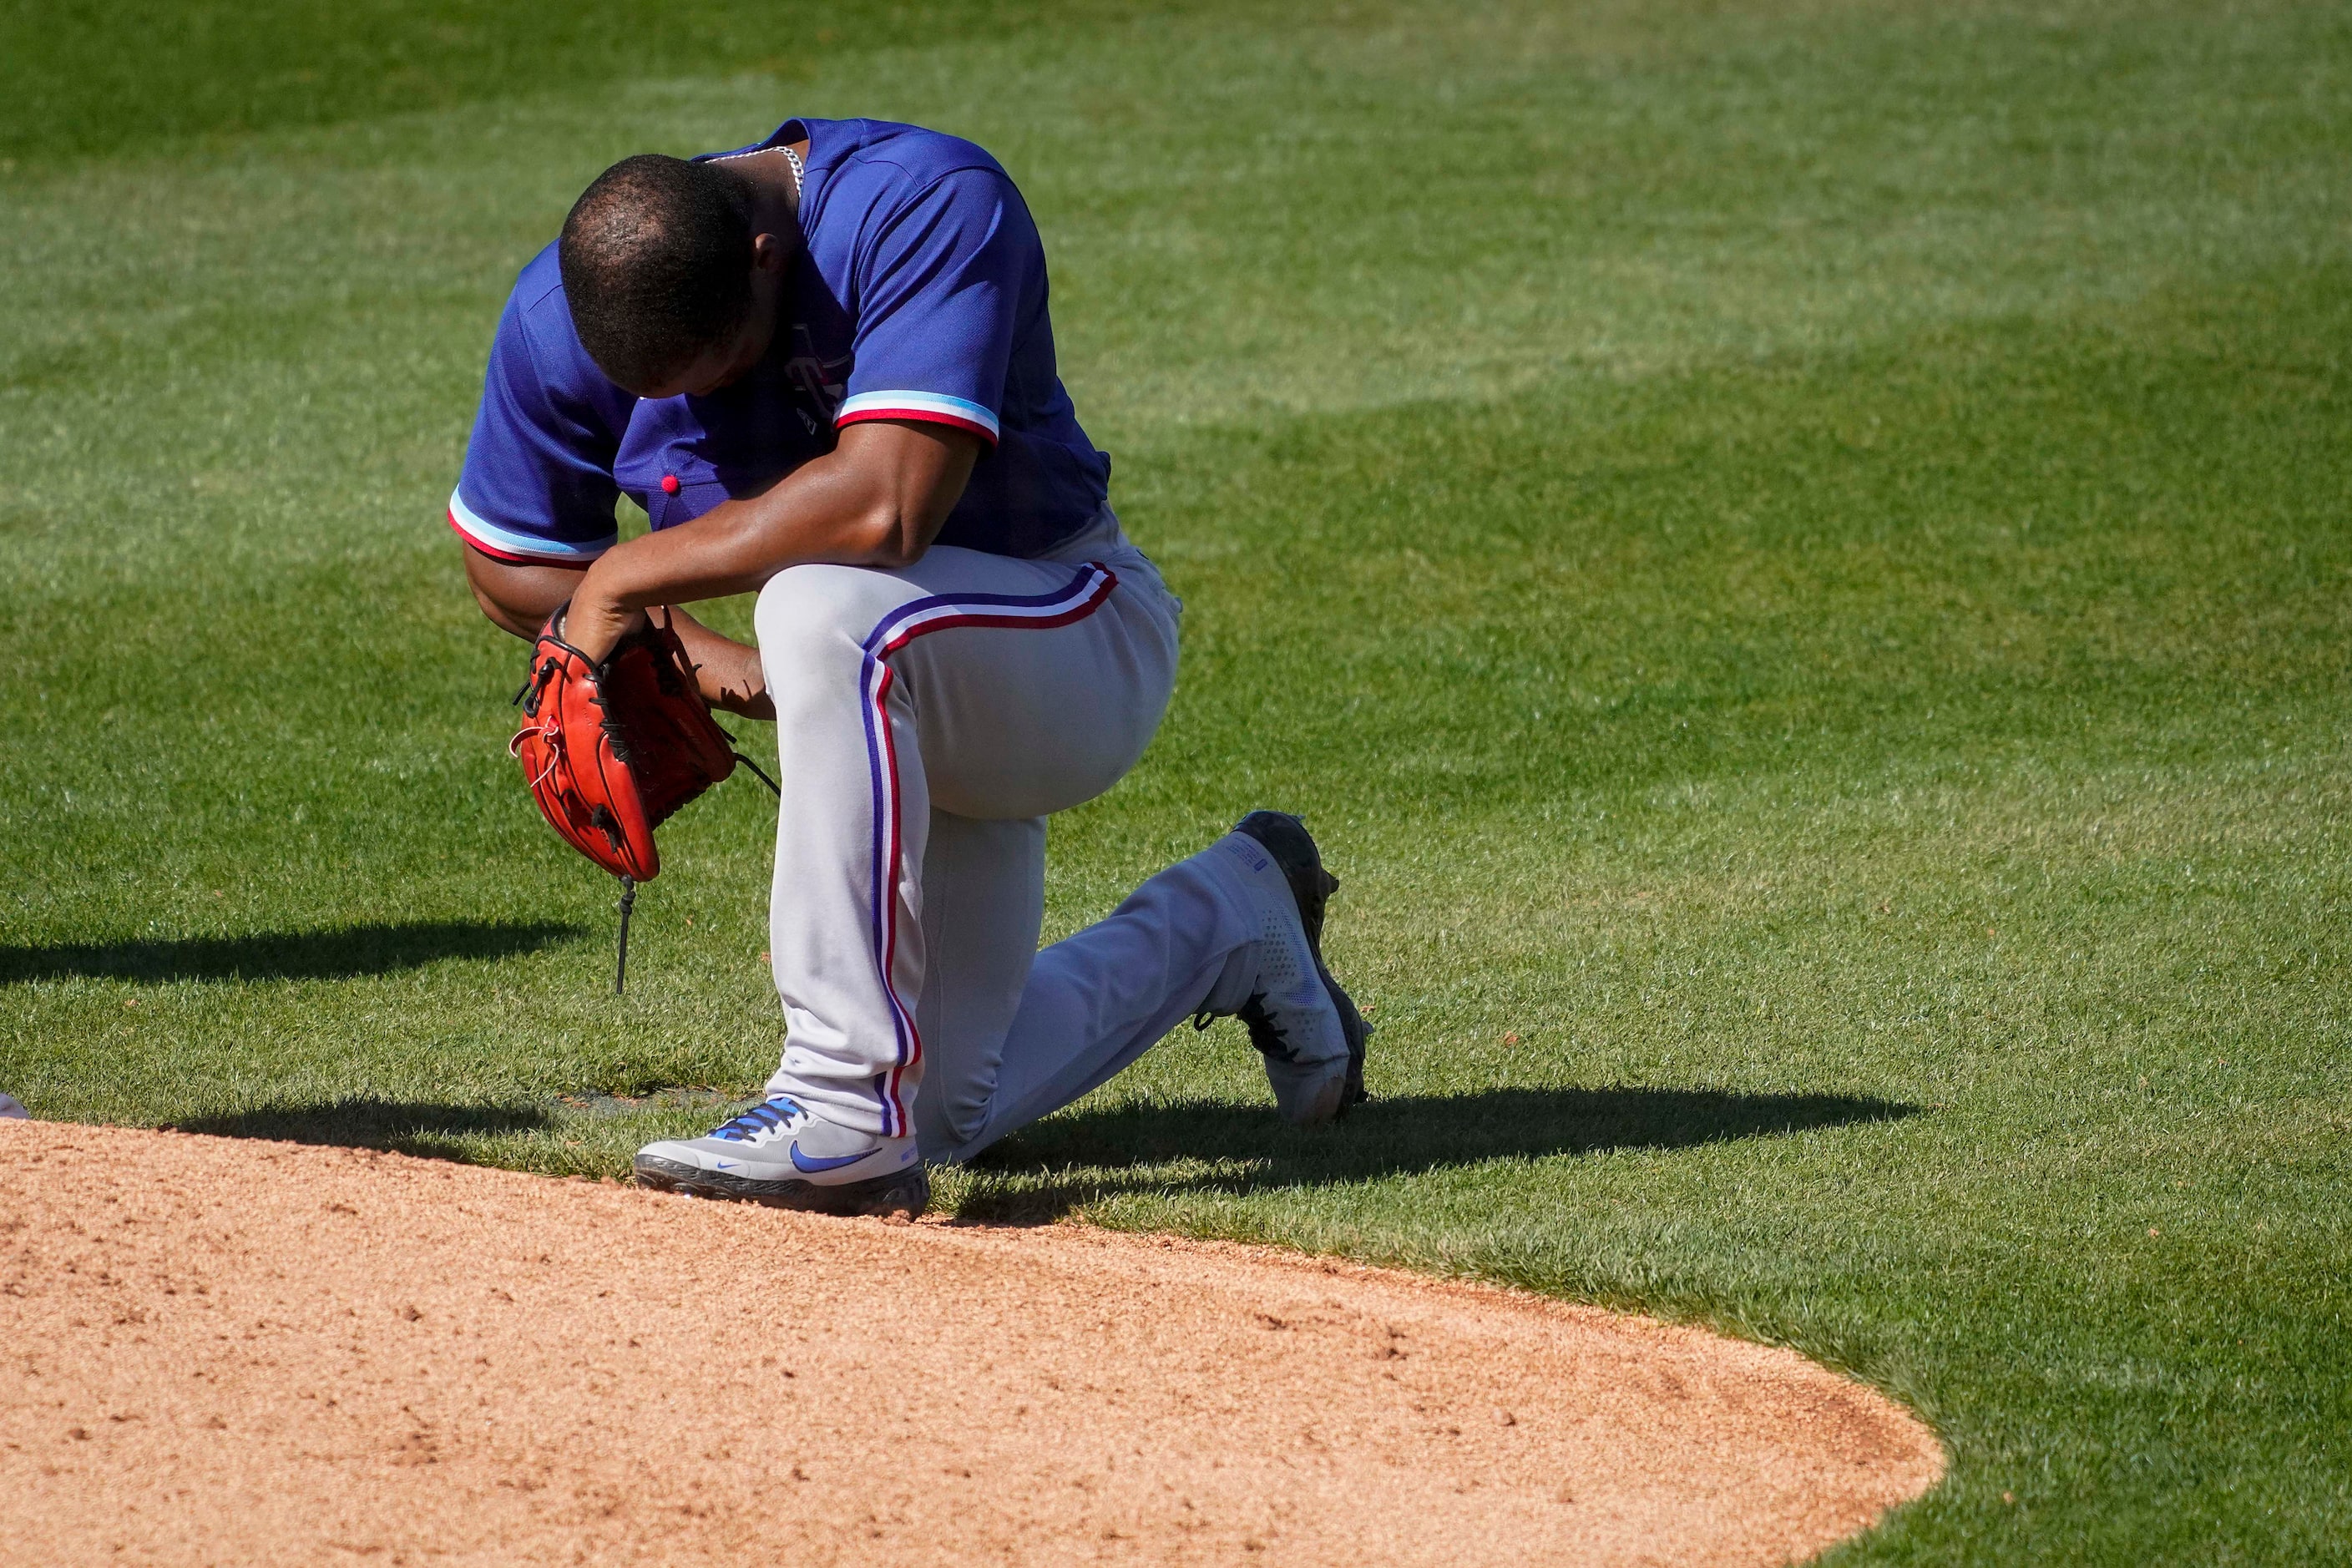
pixel 800 174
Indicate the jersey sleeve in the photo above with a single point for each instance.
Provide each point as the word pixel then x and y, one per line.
pixel 538 480
pixel 937 303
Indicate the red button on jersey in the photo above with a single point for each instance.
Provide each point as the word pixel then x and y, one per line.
pixel 670 484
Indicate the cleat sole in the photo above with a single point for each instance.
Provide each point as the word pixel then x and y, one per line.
pixel 902 1193
pixel 1294 849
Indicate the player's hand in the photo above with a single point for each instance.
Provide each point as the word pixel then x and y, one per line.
pixel 595 624
pixel 729 672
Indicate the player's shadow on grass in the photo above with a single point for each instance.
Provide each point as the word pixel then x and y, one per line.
pixel 342 952
pixel 1066 1162
pixel 411 1126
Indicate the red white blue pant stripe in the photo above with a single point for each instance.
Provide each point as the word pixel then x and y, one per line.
pixel 1090 585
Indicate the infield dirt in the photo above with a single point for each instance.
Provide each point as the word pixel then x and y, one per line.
pixel 223 1349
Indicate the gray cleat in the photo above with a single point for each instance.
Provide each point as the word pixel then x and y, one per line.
pixel 1300 1019
pixel 777 1154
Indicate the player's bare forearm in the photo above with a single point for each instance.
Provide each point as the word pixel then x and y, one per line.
pixel 518 597
pixel 878 499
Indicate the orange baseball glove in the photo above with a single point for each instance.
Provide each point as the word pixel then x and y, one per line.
pixel 612 750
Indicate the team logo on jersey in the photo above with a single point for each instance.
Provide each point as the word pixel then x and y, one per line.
pixel 821 382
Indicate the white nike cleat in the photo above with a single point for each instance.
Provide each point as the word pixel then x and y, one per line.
pixel 777 1154
pixel 1306 1028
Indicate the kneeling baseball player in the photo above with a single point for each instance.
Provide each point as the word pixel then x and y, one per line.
pixel 824 367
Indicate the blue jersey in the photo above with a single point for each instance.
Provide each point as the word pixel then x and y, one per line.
pixel 919 294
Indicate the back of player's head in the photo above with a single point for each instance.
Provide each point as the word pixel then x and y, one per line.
pixel 657 259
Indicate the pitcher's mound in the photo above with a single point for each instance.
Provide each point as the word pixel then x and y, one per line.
pixel 227 1351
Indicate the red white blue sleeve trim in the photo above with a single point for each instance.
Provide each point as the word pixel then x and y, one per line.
pixel 938 408
pixel 506 544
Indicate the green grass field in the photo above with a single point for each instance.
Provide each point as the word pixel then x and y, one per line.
pixel 1794 551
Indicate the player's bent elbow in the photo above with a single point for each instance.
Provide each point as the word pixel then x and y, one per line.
pixel 894 540
pixel 515 596
pixel 498 615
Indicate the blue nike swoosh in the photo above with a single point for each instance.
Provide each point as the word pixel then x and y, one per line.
pixel 803 1163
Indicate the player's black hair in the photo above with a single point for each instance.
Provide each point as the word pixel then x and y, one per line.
pixel 657 259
